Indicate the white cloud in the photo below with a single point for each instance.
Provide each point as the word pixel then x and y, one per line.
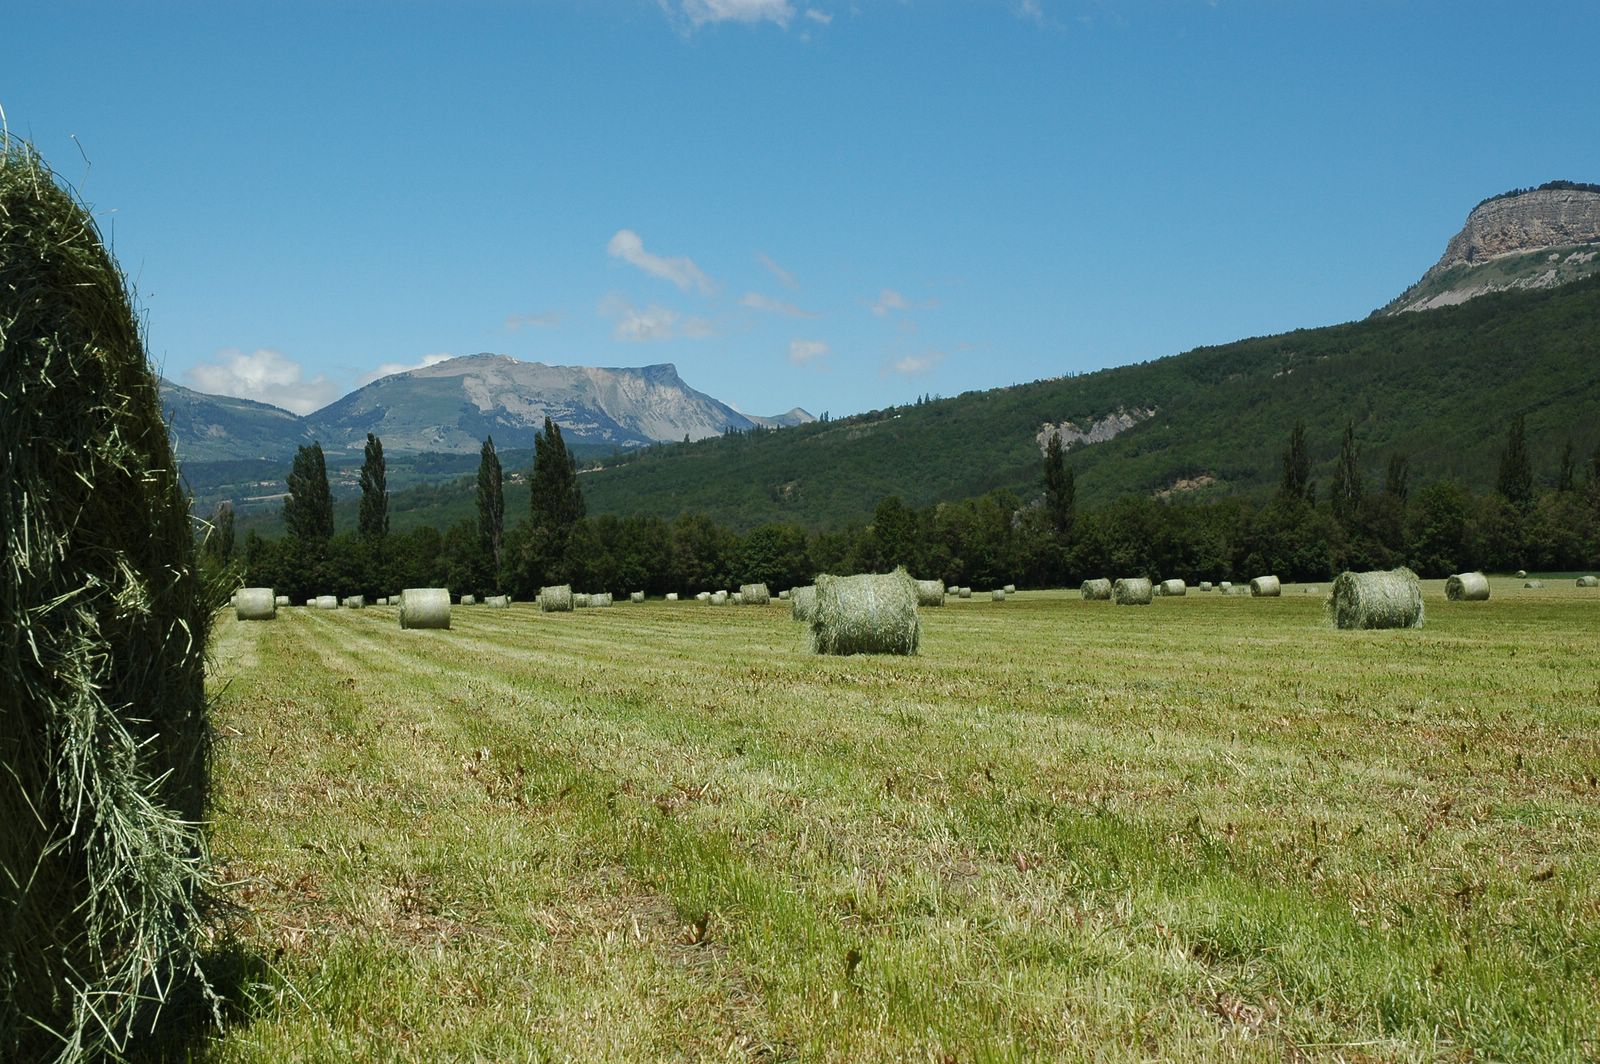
pixel 888 300
pixel 265 375
pixel 536 321
pixel 681 271
pixel 804 352
pixel 914 365
pixel 757 301
pixel 784 277
pixel 653 322
pixel 749 12
pixel 1031 11
pixel 387 369
pixel 820 17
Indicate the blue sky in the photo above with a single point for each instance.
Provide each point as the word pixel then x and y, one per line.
pixel 827 204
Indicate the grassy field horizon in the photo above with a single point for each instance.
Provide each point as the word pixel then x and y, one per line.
pixel 1211 828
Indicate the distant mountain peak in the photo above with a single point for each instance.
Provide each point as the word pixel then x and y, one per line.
pixel 1526 238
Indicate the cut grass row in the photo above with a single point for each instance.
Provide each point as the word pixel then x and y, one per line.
pixel 1207 828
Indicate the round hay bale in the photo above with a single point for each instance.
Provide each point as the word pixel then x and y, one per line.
pixel 783 596
pixel 498 602
pixel 738 598
pixel 255 604
pixel 557 598
pixel 581 601
pixel 755 594
pixel 383 602
pixel 1266 587
pixel 637 596
pixel 280 601
pixel 866 614
pixel 672 596
pixel 310 603
pixel 1589 581
pixel 1132 591
pixel 803 602
pixel 966 592
pixel 998 594
pixel 1096 590
pixel 930 592
pixel 1467 587
pixel 1225 585
pixel 719 598
pixel 702 596
pixel 1205 585
pixel 1522 574
pixel 327 602
pixel 1534 585
pixel 355 602
pixel 1010 589
pixel 425 607
pixel 1379 599
pixel 104 751
pixel 600 601
pixel 469 600
pixel 1174 588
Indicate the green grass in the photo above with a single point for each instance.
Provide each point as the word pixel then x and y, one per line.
pixel 1207 828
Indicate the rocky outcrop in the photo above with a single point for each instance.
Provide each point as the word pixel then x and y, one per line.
pixel 1097 431
pixel 1535 238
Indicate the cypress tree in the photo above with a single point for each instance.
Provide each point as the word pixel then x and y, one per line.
pixel 491 502
pixel 1516 472
pixel 1060 488
pixel 308 511
pixel 373 521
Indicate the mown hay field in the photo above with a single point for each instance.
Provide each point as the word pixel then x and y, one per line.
pixel 1214 828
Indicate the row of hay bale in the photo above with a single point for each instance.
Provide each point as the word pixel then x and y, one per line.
pixel 1140 591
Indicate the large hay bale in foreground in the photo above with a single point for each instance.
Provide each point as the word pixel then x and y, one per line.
pixel 1096 590
pixel 255 604
pixel 556 599
pixel 105 739
pixel 930 592
pixel 803 602
pixel 866 614
pixel 1266 587
pixel 1174 588
pixel 1132 591
pixel 1589 581
pixel 1379 599
pixel 1467 587
pixel 425 607
pixel 755 594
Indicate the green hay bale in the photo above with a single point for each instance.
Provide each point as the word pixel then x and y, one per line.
pixel 1173 589
pixel 866 614
pixel 1266 587
pixel 1589 581
pixel 1096 590
pixel 1467 587
pixel 557 598
pixel 425 607
pixel 755 594
pixel 1132 591
pixel 106 740
pixel 803 602
pixel 255 604
pixel 930 593
pixel 1379 599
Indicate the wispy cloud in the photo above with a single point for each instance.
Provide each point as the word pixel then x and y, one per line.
pixel 889 301
pixel 703 12
pixel 388 369
pixel 265 375
pixel 805 352
pixel 784 277
pixel 757 301
pixel 1030 11
pixel 680 270
pixel 821 18
pixel 534 321
pixel 654 322
pixel 915 365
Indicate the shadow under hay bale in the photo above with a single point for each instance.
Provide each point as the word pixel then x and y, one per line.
pixel 870 613
pixel 557 598
pixel 1132 591
pixel 105 752
pixel 1380 599
pixel 1467 587
pixel 1096 590
pixel 425 607
pixel 255 604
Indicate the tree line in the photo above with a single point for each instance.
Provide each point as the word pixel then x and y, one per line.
pixel 1358 520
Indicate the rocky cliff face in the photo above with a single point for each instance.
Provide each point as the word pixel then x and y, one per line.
pixel 1531 239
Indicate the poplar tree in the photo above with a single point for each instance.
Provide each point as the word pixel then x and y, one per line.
pixel 308 511
pixel 491 502
pixel 1060 487
pixel 374 517
pixel 1516 472
pixel 1345 493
